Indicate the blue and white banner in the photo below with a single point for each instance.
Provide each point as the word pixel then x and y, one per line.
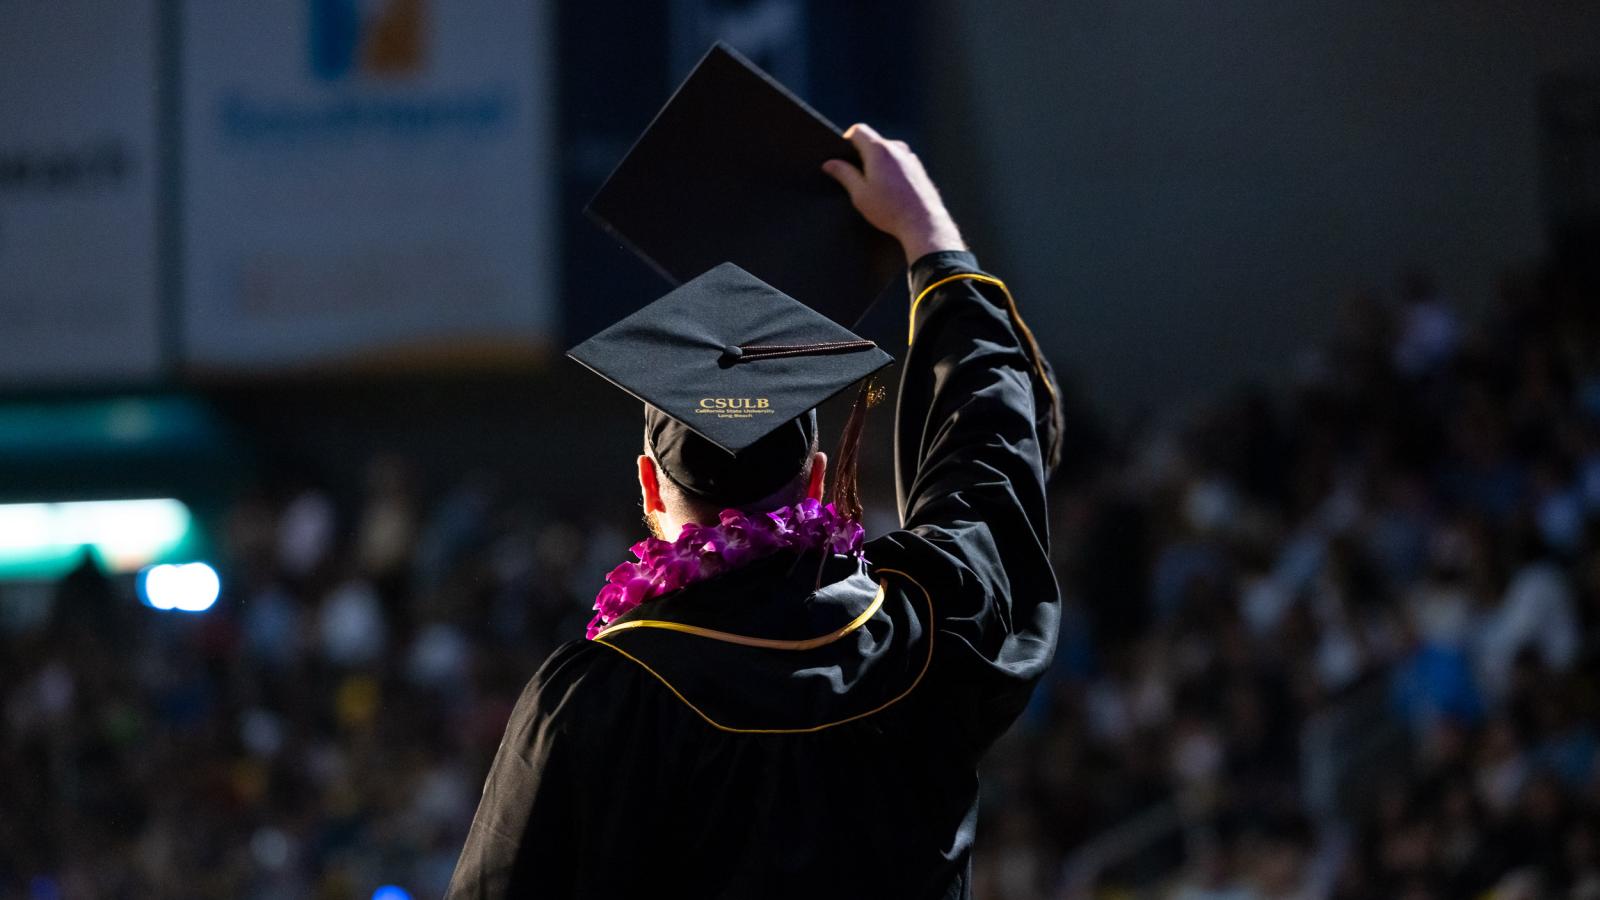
pixel 365 178
pixel 78 169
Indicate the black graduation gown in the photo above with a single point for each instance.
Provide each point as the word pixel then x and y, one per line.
pixel 752 736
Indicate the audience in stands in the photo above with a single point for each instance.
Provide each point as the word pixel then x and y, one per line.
pixel 1338 641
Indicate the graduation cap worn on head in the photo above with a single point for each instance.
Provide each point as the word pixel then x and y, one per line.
pixel 731 370
pixel 730 170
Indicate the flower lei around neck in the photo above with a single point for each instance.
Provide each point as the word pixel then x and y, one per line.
pixel 703 551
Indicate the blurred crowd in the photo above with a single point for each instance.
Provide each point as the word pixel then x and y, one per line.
pixel 1336 640
pixel 323 731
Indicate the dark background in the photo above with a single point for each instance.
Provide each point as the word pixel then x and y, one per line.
pixel 1320 279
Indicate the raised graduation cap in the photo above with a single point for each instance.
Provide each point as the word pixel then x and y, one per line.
pixel 731 170
pixel 731 369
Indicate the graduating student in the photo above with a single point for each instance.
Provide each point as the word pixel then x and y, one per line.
pixel 766 706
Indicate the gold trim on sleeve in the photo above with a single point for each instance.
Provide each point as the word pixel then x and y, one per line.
pixel 926 662
pixel 1011 309
pixel 960 276
pixel 745 640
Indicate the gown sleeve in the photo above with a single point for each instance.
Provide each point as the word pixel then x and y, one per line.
pixel 523 841
pixel 975 423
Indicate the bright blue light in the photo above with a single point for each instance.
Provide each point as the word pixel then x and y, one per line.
pixel 391 892
pixel 190 587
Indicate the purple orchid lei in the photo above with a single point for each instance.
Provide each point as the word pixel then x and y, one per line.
pixel 702 551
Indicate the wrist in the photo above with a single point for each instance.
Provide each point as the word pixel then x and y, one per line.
pixel 934 238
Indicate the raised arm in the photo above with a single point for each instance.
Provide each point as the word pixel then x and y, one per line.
pixel 976 422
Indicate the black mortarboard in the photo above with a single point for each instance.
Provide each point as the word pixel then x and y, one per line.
pixel 731 170
pixel 731 370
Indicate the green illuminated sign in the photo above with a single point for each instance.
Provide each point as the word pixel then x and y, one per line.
pixel 46 540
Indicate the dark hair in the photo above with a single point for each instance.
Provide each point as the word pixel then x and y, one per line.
pixel 703 510
pixel 692 457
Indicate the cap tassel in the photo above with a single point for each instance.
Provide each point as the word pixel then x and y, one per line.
pixel 846 492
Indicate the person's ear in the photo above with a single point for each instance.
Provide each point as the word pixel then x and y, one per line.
pixel 649 487
pixel 819 472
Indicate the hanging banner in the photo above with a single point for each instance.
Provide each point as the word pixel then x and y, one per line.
pixel 365 180
pixel 78 277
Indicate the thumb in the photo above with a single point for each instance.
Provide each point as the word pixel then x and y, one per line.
pixel 846 174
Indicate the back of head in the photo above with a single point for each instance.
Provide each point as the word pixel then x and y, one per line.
pixel 709 476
